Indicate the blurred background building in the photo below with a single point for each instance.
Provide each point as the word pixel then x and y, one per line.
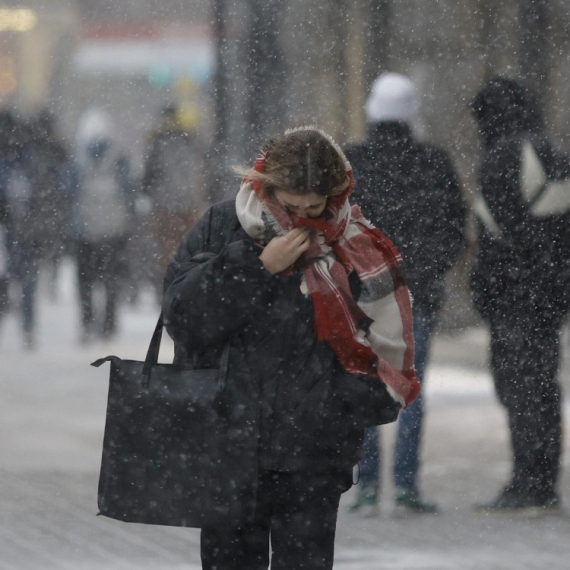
pixel 132 58
pixel 267 64
pixel 242 70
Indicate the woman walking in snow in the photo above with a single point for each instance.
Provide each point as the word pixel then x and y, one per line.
pixel 311 301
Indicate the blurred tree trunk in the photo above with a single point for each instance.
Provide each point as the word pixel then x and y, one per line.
pixel 265 72
pixel 377 44
pixel 218 153
pixel 339 25
pixel 487 12
pixel 533 58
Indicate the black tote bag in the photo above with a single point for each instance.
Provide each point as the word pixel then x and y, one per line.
pixel 160 448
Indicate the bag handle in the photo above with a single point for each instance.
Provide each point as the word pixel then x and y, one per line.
pixel 152 357
pixel 154 350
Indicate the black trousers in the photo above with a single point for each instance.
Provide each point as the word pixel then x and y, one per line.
pixel 524 359
pixel 295 512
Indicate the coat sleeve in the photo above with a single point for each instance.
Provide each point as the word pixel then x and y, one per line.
pixel 209 294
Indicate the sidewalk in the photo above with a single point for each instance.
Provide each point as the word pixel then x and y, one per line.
pixel 52 406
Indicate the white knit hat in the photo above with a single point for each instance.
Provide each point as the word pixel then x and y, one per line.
pixel 392 98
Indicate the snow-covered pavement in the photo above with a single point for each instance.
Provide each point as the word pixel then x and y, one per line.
pixel 52 406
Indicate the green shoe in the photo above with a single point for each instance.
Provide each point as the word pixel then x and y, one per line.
pixel 409 500
pixel 366 501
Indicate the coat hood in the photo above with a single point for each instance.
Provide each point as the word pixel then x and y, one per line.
pixel 502 107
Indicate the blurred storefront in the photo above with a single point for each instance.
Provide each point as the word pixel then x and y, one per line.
pixel 133 59
pixel 135 68
pixel 29 38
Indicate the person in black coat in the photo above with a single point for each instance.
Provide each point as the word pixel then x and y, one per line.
pixel 311 360
pixel 520 284
pixel 25 234
pixel 410 191
pixel 48 156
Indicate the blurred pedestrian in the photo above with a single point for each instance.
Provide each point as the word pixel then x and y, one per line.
pixel 173 179
pixel 4 257
pixel 23 203
pixel 296 285
pixel 47 157
pixel 410 191
pixel 97 183
pixel 7 140
pixel 521 286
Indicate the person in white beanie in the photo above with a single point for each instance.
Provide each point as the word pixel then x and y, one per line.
pixel 410 191
pixel 392 98
pixel 97 184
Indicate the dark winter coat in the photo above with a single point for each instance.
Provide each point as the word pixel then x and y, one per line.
pixel 526 267
pixel 410 191
pixel 23 205
pixel 523 265
pixel 289 404
pixel 47 159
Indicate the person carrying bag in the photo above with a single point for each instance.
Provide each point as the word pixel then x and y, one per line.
pixel 312 303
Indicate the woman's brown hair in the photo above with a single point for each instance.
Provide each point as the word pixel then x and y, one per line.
pixel 300 162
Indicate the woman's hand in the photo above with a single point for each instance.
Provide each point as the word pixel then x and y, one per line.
pixel 283 251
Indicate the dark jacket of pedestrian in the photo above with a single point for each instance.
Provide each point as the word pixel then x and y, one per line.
pixel 523 256
pixel 49 207
pixel 410 191
pixel 23 200
pixel 293 411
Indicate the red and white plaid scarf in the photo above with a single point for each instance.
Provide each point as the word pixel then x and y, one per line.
pixel 373 336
